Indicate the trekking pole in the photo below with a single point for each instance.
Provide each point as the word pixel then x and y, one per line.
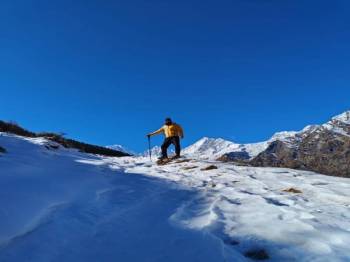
pixel 149 148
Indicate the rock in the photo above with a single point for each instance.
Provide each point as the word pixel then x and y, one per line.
pixel 211 167
pixel 234 156
pixel 189 167
pixel 292 190
pixel 183 160
pixel 323 149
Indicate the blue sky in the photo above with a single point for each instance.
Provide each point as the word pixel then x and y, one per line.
pixel 108 72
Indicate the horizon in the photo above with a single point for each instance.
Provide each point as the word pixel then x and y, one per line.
pixel 108 73
pixel 130 150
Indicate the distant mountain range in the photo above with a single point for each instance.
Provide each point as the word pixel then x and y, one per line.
pixel 213 148
pixel 121 148
pixel 322 148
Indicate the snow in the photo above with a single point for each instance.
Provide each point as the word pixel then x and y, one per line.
pixel 210 148
pixel 344 118
pixel 213 148
pixel 62 205
pixel 155 151
pixel 121 149
pixel 339 124
pixel 284 135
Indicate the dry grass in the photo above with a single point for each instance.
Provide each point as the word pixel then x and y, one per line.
pixel 211 167
pixel 189 167
pixel 182 161
pixel 293 190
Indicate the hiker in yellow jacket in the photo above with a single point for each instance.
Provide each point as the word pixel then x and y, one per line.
pixel 173 132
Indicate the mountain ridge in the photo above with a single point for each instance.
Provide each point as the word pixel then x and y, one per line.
pixel 321 148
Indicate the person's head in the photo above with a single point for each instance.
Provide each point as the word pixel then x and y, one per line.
pixel 168 121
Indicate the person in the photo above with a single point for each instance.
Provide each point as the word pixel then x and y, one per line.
pixel 173 132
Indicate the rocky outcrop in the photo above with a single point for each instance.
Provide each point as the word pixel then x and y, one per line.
pixel 323 149
pixel 234 156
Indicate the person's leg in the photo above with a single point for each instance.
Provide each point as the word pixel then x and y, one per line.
pixel 176 142
pixel 165 145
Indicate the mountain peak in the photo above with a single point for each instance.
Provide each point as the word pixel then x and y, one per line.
pixel 344 117
pixel 283 135
pixel 121 149
pixel 210 147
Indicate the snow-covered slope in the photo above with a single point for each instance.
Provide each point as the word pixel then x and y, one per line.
pixel 248 209
pixel 344 118
pixel 62 205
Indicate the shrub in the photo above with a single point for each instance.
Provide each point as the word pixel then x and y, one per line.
pixel 13 128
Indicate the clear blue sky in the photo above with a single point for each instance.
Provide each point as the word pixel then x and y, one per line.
pixel 108 72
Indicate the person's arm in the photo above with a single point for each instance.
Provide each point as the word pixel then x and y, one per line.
pixel 159 131
pixel 181 131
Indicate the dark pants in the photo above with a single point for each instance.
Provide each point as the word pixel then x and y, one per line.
pixel 175 140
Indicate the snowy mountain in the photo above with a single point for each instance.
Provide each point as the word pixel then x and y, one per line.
pixel 321 148
pixel 210 148
pixel 342 118
pixel 121 149
pixel 292 149
pixel 59 204
pixel 213 148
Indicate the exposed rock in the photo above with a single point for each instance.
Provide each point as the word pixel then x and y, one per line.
pixel 292 190
pixel 234 156
pixel 278 154
pixel 211 167
pixel 323 149
pixel 189 167
pixel 183 161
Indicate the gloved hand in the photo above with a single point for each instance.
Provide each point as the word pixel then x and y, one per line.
pixel 148 135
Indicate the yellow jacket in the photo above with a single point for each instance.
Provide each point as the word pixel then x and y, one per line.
pixel 169 131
